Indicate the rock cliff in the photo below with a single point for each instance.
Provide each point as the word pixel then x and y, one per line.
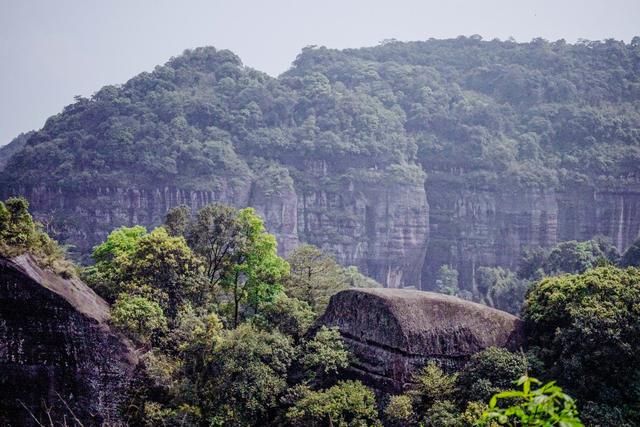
pixel 470 228
pixel 394 332
pixel 57 352
pixel 381 227
pixel 388 229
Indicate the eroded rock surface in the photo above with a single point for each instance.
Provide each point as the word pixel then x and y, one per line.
pixel 56 349
pixel 394 332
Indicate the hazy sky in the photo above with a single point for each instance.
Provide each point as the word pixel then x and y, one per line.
pixel 51 50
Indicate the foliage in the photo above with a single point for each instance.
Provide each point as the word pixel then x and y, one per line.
pixel 399 410
pixel 177 220
pixel 290 316
pixel 355 279
pixel 257 270
pixel 214 234
pixel 442 413
pixel 325 354
pixel 105 275
pixel 575 257
pixel 447 280
pixel 585 328
pixel 245 375
pixel 631 256
pixel 546 405
pixel 20 234
pixel 490 371
pixel 315 276
pixel 433 384
pixel 346 404
pixel 161 267
pixel 138 317
pixel 500 288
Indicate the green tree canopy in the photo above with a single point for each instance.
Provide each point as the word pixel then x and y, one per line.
pixel 584 328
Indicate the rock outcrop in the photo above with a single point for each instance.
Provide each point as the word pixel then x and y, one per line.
pixel 57 352
pixel 394 332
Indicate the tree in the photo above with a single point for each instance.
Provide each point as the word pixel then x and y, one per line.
pixel 19 233
pixel 501 288
pixel 399 410
pixel 432 385
pixel 573 257
pixel 17 228
pixel 447 280
pixel 584 328
pixel 288 315
pixel 177 220
pixel 215 234
pixel 161 268
pixel 257 270
pixel 348 404
pixel 490 371
pixel 105 275
pixel 138 317
pixel 314 277
pixel 631 256
pixel 245 376
pixel 543 406
pixel 120 242
pixel 325 354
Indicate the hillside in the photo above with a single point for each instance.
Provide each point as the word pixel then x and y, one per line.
pixel 398 158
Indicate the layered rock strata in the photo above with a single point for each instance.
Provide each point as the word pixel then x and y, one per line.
pixel 393 332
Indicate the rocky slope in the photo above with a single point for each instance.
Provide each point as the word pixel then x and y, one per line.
pixel 393 332
pixel 57 352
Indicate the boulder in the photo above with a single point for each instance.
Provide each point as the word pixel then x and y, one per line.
pixel 394 332
pixel 58 354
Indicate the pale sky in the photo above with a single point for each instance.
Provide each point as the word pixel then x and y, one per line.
pixel 52 50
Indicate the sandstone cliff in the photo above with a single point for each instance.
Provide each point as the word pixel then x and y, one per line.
pixel 393 332
pixel 56 349
pixel 380 226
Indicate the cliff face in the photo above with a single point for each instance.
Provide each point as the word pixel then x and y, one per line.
pixel 380 227
pixel 392 332
pixel 473 228
pixel 56 349
pixel 388 229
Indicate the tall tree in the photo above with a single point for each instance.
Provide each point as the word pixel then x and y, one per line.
pixel 256 271
pixel 315 276
pixel 216 235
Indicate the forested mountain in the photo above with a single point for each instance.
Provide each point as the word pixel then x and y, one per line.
pixel 400 158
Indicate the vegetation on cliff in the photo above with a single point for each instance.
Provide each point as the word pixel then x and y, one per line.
pixel 20 234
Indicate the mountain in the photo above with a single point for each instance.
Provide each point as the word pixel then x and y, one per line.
pixel 398 158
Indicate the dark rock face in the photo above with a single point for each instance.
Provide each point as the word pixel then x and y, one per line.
pixel 56 349
pixel 394 332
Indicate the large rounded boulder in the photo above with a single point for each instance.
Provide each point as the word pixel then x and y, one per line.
pixel 394 332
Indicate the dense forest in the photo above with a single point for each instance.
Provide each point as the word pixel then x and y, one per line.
pixel 536 114
pixel 217 209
